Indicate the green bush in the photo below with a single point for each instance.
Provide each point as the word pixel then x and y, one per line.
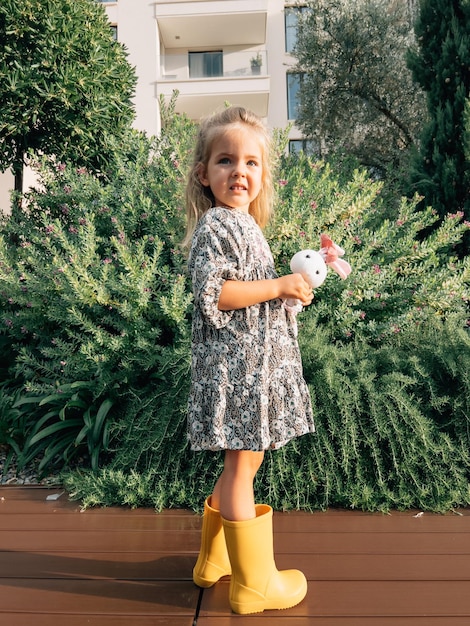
pixel 398 279
pixel 94 297
pixel 96 312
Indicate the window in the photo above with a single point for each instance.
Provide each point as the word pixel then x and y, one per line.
pixel 294 82
pixel 206 64
pixel 308 146
pixel 291 19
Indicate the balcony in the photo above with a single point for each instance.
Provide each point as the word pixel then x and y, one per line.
pixel 205 81
pixel 189 24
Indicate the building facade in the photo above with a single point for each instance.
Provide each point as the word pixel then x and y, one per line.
pixel 211 52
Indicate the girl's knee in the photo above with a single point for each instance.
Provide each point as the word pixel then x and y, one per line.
pixel 243 461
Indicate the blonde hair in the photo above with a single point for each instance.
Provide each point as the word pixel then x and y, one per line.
pixel 199 199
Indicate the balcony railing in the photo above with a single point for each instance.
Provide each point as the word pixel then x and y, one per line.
pixel 213 65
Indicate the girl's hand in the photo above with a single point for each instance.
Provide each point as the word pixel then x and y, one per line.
pixel 295 287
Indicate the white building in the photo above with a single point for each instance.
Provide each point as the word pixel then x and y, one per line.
pixel 211 52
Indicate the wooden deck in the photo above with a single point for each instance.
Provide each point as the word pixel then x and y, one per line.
pixel 61 566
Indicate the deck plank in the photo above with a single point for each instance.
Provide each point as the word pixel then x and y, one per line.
pixel 364 598
pixel 85 619
pixel 281 618
pixel 100 596
pixel 139 566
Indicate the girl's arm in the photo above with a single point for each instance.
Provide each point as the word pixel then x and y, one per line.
pixel 240 294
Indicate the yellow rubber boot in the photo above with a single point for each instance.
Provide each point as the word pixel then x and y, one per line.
pixel 213 561
pixel 256 584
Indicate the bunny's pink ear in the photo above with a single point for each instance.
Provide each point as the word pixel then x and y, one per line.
pixel 331 253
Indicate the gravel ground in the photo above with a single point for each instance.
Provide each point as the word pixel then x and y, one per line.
pixel 25 476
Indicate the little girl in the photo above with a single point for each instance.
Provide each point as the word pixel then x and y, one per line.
pixel 247 388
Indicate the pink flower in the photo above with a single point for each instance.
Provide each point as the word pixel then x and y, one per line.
pixel 283 182
pixel 376 269
pixel 313 204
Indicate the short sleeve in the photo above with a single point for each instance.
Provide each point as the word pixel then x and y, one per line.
pixel 216 256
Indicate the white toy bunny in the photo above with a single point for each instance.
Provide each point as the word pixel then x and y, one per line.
pixel 314 265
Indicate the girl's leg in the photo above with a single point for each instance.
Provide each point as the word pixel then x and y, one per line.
pixel 233 493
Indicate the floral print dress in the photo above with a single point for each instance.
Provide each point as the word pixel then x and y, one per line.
pixel 247 387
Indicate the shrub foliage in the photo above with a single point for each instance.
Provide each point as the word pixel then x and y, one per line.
pixel 96 312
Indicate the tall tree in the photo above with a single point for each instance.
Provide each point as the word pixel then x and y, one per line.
pixel 65 84
pixel 441 65
pixel 357 93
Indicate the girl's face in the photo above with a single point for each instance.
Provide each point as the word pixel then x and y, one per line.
pixel 234 169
